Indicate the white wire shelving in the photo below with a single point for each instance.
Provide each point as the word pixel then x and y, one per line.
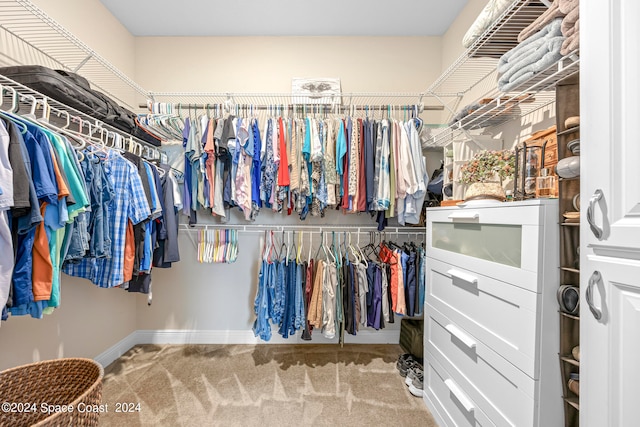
pixel 472 77
pixel 43 108
pixel 28 36
pixel 501 107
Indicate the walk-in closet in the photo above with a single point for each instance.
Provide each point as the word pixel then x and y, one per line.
pixel 341 213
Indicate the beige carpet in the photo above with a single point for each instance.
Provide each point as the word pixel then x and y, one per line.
pixel 261 385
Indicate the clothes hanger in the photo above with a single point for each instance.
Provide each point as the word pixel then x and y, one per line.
pixel 299 251
pixel 272 249
pixel 21 126
pixel 363 258
pixel 321 247
pixel 328 251
pixel 354 253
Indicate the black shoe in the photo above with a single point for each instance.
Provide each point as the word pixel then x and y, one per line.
pixel 402 361
pixel 411 364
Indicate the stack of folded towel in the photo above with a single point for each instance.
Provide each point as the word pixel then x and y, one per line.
pixel 570 25
pixel 568 10
pixel 530 57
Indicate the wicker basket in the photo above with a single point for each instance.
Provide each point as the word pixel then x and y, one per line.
pixel 73 383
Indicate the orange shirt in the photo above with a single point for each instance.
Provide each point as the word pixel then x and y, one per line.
pixel 129 253
pixel 63 190
pixel 42 275
pixel 389 257
pixel 283 169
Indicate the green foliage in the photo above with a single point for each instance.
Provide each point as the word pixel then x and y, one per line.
pixel 488 166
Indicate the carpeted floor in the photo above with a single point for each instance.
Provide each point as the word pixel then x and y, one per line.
pixel 261 385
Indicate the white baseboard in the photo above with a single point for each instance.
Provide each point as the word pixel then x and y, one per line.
pixel 183 336
pixel 121 347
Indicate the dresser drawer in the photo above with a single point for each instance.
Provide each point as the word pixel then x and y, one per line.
pixel 502 242
pixel 448 401
pixel 500 315
pixel 502 391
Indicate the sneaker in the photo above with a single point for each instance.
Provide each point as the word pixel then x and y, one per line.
pixel 411 374
pixel 411 364
pixel 417 386
pixel 402 361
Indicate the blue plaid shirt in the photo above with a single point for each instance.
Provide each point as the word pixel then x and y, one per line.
pixel 129 203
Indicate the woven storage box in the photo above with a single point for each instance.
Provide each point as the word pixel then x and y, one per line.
pixel 44 388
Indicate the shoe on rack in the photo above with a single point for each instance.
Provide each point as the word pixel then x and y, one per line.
pixel 417 386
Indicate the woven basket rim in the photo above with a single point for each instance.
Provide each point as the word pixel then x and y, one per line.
pixel 61 360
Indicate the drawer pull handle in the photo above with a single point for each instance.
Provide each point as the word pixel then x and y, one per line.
pixel 462 398
pixel 472 280
pixel 466 339
pixel 464 215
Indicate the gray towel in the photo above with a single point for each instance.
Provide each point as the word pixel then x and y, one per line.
pixel 543 20
pixel 530 57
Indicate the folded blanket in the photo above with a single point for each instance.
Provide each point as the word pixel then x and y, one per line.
pixel 571 28
pixel 567 6
pixel 489 14
pixel 569 21
pixel 571 31
pixel 543 20
pixel 572 42
pixel 466 110
pixel 530 57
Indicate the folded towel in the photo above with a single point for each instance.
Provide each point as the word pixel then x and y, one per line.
pixel 530 44
pixel 571 31
pixel 567 6
pixel 572 42
pixel 530 57
pixel 569 21
pixel 543 20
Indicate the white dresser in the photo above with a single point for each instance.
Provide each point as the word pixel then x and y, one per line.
pixel 491 315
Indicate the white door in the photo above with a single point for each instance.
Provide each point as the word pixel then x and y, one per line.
pixel 610 247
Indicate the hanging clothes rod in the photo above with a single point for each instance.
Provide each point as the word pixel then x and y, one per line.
pixel 316 229
pixel 310 107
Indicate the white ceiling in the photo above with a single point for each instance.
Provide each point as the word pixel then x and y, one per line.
pixel 286 17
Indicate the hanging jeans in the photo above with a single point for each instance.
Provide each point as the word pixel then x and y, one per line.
pixel 374 314
pixel 261 327
pixel 411 283
pixel 280 293
pixel 288 318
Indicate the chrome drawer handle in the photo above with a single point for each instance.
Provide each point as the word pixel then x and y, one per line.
pixel 593 281
pixel 597 231
pixel 462 398
pixel 464 215
pixel 468 278
pixel 466 339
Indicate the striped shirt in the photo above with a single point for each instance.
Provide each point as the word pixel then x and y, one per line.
pixel 130 203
